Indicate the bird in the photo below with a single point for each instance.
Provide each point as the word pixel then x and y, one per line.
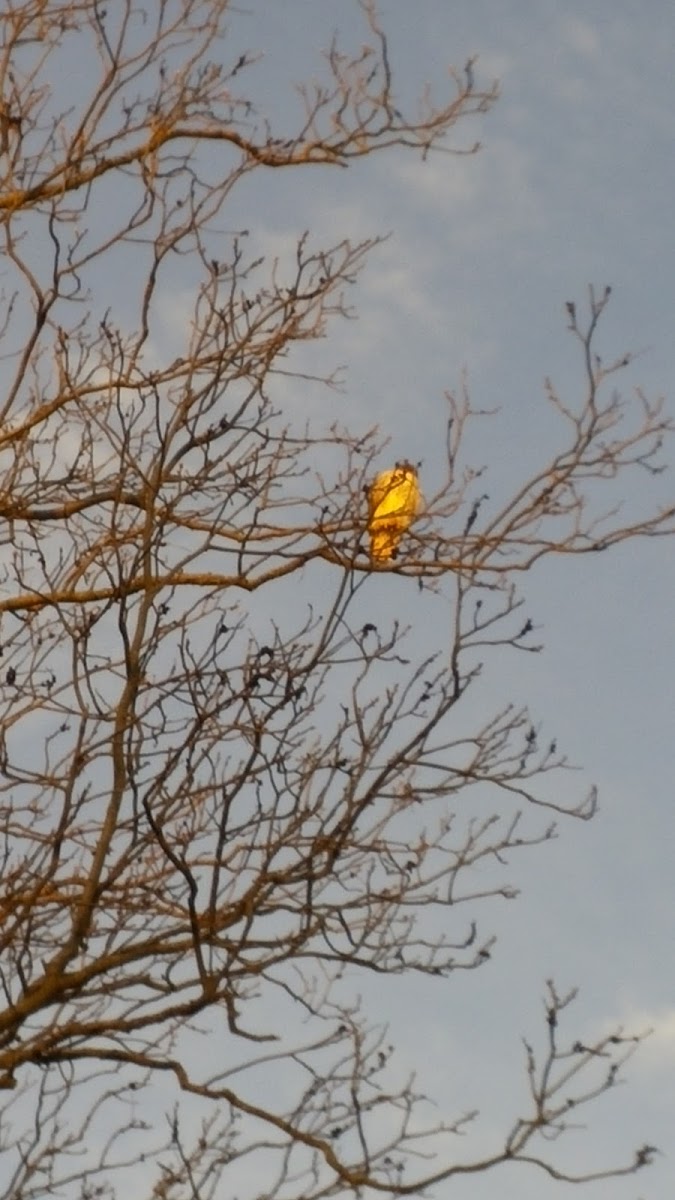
pixel 394 500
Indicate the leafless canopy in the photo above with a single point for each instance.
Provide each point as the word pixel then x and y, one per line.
pixel 219 809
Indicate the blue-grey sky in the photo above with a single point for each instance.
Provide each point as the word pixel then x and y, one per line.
pixel 574 184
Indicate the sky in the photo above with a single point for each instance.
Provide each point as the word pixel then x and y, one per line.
pixel 573 186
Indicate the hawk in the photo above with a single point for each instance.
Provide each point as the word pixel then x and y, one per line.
pixel 394 500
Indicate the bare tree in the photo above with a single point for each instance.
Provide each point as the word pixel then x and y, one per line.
pixel 219 807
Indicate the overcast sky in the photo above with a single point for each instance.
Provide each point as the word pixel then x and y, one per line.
pixel 574 185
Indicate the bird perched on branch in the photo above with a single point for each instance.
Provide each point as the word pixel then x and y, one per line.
pixel 394 501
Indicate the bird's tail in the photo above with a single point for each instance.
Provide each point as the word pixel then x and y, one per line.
pixel 383 543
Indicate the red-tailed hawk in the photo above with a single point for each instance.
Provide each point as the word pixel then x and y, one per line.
pixel 393 502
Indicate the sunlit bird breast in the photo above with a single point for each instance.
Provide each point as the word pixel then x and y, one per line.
pixel 394 501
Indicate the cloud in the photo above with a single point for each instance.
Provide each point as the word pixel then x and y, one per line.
pixel 658 1051
pixel 581 37
pixel 485 200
